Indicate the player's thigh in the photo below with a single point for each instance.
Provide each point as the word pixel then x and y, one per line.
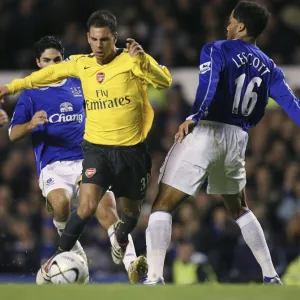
pixel 96 178
pixel 76 179
pixel 184 168
pixel 168 198
pixel 228 175
pixel 52 177
pixel 95 166
pixel 90 195
pixel 56 188
pixel 134 176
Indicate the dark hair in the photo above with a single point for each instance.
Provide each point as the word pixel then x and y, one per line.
pixel 253 15
pixel 102 18
pixel 48 42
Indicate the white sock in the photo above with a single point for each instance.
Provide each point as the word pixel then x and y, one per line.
pixel 130 254
pixel 158 238
pixel 255 239
pixel 60 226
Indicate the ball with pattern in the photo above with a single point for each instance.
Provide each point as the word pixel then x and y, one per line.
pixel 68 267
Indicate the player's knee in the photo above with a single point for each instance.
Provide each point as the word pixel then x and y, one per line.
pixel 132 208
pixel 161 203
pixel 107 203
pixel 168 198
pixel 235 213
pixel 87 209
pixel 60 206
pixel 133 212
pixel 61 216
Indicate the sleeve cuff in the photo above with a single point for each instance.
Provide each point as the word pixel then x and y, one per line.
pixel 195 118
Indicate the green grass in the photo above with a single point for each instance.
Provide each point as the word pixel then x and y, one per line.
pixel 130 292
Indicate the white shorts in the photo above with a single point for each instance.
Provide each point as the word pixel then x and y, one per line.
pixel 61 175
pixel 214 150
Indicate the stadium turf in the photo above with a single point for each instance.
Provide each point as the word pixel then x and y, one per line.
pixel 168 292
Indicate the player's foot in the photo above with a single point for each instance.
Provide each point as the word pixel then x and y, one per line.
pixel 273 280
pixel 159 281
pixel 42 276
pixel 117 250
pixel 138 270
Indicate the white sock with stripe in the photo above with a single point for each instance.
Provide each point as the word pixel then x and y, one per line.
pixel 158 238
pixel 255 239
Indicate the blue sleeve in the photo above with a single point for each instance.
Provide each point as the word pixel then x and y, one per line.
pixel 284 96
pixel 23 111
pixel 211 64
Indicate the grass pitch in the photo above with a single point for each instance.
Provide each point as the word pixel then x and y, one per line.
pixel 140 292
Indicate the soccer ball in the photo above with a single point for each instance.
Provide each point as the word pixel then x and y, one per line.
pixel 68 267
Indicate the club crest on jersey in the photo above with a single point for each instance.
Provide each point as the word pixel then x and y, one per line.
pixel 90 172
pixel 49 181
pixel 76 90
pixel 205 67
pixel 100 77
pixel 66 107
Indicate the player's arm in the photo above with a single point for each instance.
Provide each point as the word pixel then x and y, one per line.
pixel 3 117
pixel 43 77
pixel 23 120
pixel 147 67
pixel 284 96
pixel 211 65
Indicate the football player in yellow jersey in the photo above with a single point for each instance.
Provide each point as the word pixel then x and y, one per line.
pixel 119 117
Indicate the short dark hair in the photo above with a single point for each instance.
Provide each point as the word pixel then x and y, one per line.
pixel 48 42
pixel 103 18
pixel 253 15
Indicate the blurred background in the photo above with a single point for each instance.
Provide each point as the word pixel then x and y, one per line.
pixel 206 243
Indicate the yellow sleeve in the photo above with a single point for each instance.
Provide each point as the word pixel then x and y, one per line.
pixel 44 77
pixel 147 68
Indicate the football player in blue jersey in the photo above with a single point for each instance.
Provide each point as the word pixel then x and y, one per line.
pixel 235 81
pixel 3 117
pixel 55 118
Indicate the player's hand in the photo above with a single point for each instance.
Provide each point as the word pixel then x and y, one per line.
pixel 134 49
pixel 3 92
pixel 39 118
pixel 184 129
pixel 3 117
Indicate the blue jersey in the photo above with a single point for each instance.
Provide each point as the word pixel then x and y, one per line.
pixel 236 80
pixel 60 138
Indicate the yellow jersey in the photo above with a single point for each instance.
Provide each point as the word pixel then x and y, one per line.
pixel 116 94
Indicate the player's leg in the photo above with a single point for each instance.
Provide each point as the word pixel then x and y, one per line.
pixel 181 175
pixel 253 234
pixel 130 213
pixel 89 197
pixel 59 201
pixel 56 185
pixel 228 177
pixel 134 165
pixel 159 230
pixel 107 216
pixel 97 176
pixel 106 212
